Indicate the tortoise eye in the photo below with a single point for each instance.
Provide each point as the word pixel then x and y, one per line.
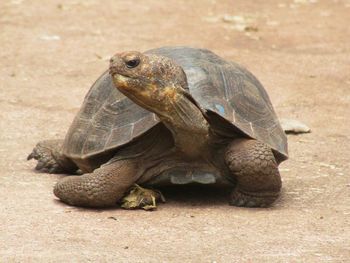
pixel 132 63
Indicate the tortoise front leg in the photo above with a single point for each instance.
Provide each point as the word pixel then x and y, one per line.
pixel 255 170
pixel 103 187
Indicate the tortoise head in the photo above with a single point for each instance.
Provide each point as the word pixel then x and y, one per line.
pixel 153 82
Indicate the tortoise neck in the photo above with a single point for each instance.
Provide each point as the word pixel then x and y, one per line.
pixel 188 126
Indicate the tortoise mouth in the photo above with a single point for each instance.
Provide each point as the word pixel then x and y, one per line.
pixel 122 81
pixel 120 78
pixel 115 74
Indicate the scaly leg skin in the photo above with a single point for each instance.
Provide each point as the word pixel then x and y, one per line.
pixel 48 154
pixel 254 167
pixel 140 197
pixel 103 187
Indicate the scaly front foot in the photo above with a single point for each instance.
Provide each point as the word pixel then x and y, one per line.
pixel 254 168
pixel 140 197
pixel 240 198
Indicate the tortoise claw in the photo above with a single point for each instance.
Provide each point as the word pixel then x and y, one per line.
pixel 52 170
pixel 241 199
pixel 40 165
pixel 55 168
pixel 34 154
pixel 30 156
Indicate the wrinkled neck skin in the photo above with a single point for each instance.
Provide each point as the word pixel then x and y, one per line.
pixel 188 126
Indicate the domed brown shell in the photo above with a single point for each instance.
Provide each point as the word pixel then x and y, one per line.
pixel 227 91
pixel 106 120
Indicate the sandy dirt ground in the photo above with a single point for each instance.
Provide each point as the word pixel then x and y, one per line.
pixel 52 51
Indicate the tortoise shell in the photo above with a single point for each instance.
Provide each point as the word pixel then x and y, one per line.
pixel 225 90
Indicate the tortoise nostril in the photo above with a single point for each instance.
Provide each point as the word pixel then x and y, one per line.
pixel 112 60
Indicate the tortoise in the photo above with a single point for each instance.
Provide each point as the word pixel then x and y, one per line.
pixel 172 115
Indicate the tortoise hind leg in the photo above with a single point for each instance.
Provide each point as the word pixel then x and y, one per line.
pixel 255 170
pixel 103 187
pixel 49 157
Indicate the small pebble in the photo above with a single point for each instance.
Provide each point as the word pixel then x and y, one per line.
pixel 294 126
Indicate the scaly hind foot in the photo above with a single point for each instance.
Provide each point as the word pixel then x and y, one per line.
pixel 43 153
pixel 140 197
pixel 47 153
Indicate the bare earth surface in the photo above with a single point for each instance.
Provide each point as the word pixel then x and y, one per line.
pixel 52 51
